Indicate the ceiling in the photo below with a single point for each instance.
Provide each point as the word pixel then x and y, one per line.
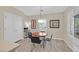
pixel 35 10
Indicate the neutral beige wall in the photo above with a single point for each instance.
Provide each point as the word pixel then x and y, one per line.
pixel 1 25
pixel 9 9
pixel 67 15
pixel 72 42
pixel 57 32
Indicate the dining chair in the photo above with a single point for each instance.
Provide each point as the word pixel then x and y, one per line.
pixel 29 34
pixel 50 38
pixel 49 41
pixel 34 41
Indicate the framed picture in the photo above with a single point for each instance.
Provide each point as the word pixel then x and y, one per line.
pixel 54 23
pixel 33 24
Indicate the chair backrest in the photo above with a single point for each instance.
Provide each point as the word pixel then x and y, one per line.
pixel 35 40
pixel 51 37
pixel 29 34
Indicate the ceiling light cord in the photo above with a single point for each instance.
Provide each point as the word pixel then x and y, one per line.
pixel 41 10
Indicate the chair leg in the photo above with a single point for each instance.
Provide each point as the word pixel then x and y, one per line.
pixel 41 45
pixel 44 44
pixel 32 47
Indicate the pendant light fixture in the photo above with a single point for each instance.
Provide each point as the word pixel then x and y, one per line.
pixel 41 11
pixel 41 18
pixel 41 21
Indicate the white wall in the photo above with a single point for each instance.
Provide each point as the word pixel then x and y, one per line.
pixel 1 26
pixel 13 27
pixel 57 32
pixel 69 38
pixel 10 10
pixel 65 32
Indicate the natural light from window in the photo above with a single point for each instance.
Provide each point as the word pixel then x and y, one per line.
pixel 42 24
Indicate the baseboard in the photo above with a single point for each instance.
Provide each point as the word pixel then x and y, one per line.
pixel 17 41
pixel 57 38
pixel 73 49
pixel 69 45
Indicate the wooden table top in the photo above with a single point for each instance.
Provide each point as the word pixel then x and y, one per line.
pixel 38 34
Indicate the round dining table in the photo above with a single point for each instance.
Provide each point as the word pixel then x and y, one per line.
pixel 42 35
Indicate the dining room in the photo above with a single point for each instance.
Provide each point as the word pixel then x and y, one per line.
pixel 43 29
pixel 35 29
pixel 38 28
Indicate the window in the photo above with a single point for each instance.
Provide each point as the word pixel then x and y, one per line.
pixel 42 24
pixel 76 26
pixel 70 23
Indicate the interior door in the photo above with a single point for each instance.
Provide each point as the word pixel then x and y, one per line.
pixel 9 27
pixel 13 29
